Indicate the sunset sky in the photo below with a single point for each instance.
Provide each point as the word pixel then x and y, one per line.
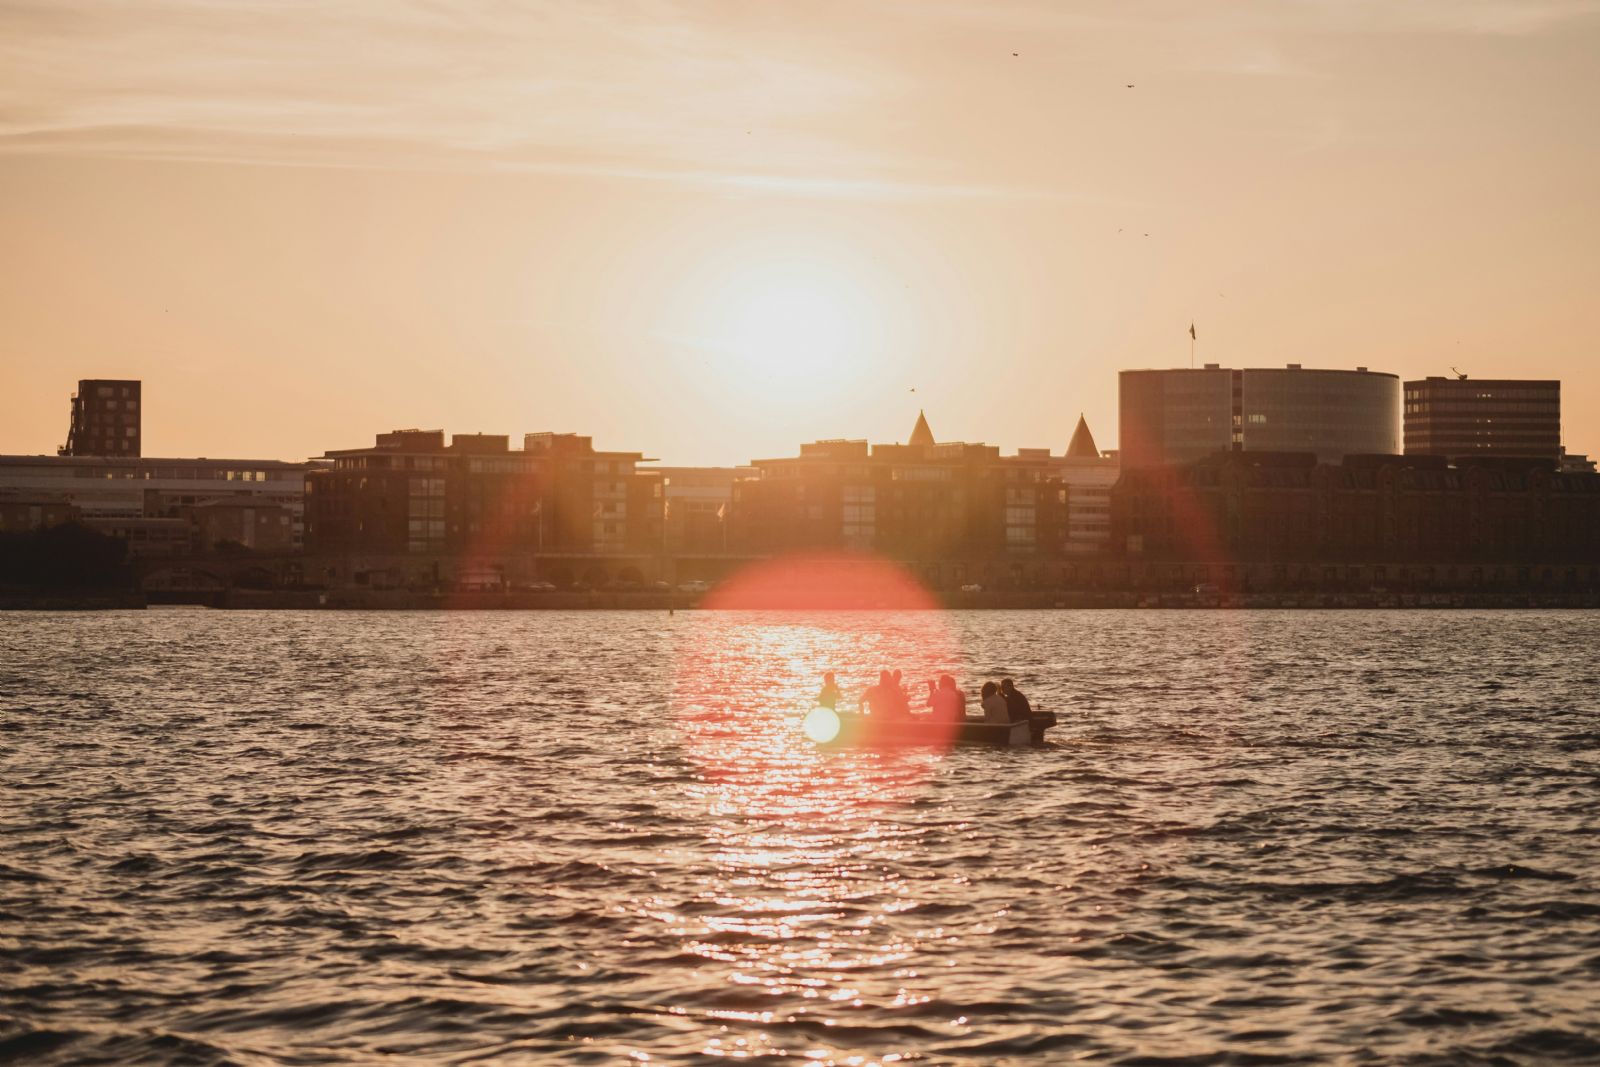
pixel 709 231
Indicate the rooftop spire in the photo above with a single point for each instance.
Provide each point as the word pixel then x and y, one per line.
pixel 1082 445
pixel 920 434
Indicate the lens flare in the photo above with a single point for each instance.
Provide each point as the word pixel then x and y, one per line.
pixel 821 725
pixel 746 668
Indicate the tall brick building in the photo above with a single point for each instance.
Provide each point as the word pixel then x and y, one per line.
pixel 105 419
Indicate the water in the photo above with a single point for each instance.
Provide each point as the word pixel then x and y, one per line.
pixel 588 838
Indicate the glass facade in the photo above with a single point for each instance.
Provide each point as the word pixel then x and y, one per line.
pixel 1330 412
pixel 1178 416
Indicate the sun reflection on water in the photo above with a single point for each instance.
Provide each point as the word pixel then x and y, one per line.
pixel 802 855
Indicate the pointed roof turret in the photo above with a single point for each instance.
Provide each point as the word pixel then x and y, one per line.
pixel 920 434
pixel 1082 446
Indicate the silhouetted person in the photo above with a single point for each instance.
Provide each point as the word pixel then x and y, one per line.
pixel 994 705
pixel 898 702
pixel 876 698
pixel 949 704
pixel 829 696
pixel 1016 704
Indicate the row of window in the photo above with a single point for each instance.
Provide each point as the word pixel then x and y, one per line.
pixel 1547 393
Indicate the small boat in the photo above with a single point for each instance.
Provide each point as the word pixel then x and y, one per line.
pixel 855 730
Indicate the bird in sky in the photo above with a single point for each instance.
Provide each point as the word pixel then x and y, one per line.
pixel 1130 86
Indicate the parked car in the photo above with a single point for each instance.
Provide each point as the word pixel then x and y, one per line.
pixel 696 586
pixel 972 587
pixel 534 587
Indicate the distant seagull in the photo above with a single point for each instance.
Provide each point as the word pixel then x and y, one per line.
pixel 1119 229
pixel 1130 87
pixel 1016 53
pixel 1147 235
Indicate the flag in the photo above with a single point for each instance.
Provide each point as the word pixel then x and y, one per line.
pixel 1191 331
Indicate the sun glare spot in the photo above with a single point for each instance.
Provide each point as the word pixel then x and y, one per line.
pixel 821 725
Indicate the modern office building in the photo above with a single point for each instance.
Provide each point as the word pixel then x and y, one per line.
pixel 1178 416
pixel 105 419
pixel 1483 417
pixel 151 502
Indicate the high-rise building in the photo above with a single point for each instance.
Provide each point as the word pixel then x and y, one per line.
pixel 1483 417
pixel 105 419
pixel 1178 416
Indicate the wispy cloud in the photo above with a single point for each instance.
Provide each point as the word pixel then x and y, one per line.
pixel 821 99
pixel 676 91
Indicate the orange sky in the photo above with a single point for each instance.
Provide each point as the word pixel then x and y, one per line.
pixel 709 231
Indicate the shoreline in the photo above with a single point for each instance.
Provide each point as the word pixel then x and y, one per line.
pixel 401 600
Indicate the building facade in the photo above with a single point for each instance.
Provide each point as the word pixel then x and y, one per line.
pixel 150 502
pixel 1288 509
pixel 411 509
pixel 952 510
pixel 1087 475
pixel 106 419
pixel 696 507
pixel 1483 417
pixel 1179 416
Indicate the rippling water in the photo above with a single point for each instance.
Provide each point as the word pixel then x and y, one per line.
pixel 468 837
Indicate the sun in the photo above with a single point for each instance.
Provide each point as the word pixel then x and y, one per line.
pixel 789 323
pixel 797 327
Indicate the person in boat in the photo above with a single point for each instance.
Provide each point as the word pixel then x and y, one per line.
pixel 886 698
pixel 875 700
pixel 829 697
pixel 949 704
pixel 899 701
pixel 994 705
pixel 1016 704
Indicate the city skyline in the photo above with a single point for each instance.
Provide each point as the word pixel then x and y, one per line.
pixel 715 230
pixel 921 425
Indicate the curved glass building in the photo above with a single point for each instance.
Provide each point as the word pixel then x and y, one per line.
pixel 1177 416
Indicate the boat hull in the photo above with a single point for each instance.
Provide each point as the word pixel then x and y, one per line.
pixel 876 731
